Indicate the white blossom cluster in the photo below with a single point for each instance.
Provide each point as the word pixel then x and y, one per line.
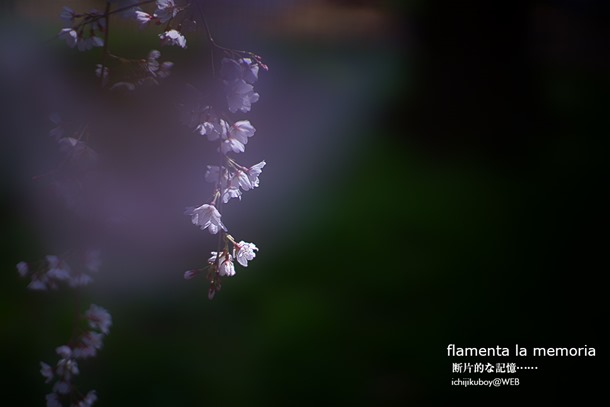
pixel 231 179
pixel 230 135
pixel 55 270
pixel 84 346
pixel 165 13
pixel 88 29
pixel 239 77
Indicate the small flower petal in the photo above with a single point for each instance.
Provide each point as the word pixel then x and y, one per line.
pixel 47 372
pixel 207 217
pixel 69 35
pixel 22 268
pixel 190 274
pixel 64 351
pixel 254 172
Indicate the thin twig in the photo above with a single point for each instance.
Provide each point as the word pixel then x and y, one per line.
pixel 105 49
pixel 209 35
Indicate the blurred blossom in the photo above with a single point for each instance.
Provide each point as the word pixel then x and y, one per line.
pixel 99 318
pixel 166 10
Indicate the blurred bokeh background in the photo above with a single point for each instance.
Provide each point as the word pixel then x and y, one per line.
pixel 436 174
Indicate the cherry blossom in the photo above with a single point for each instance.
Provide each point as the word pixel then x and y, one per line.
pixel 67 14
pixel 98 318
pixel 173 37
pixel 88 401
pixel 88 345
pixel 240 96
pixel 254 172
pixel 230 69
pixel 230 134
pixel 166 10
pixel 47 372
pixel 152 61
pixel 58 269
pixel 164 69
pixel 40 283
pixel 237 137
pixel 241 130
pixel 226 267
pixel 64 351
pixel 85 44
pixel 231 180
pixel 231 190
pixel 242 68
pixel 23 269
pixel 249 70
pixel 80 280
pixel 225 263
pixel 61 387
pixel 53 400
pixel 207 217
pixel 242 180
pixel 232 144
pixel 67 366
pixel 69 35
pixel 214 128
pixel 142 18
pixel 189 274
pixel 84 346
pixel 244 252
